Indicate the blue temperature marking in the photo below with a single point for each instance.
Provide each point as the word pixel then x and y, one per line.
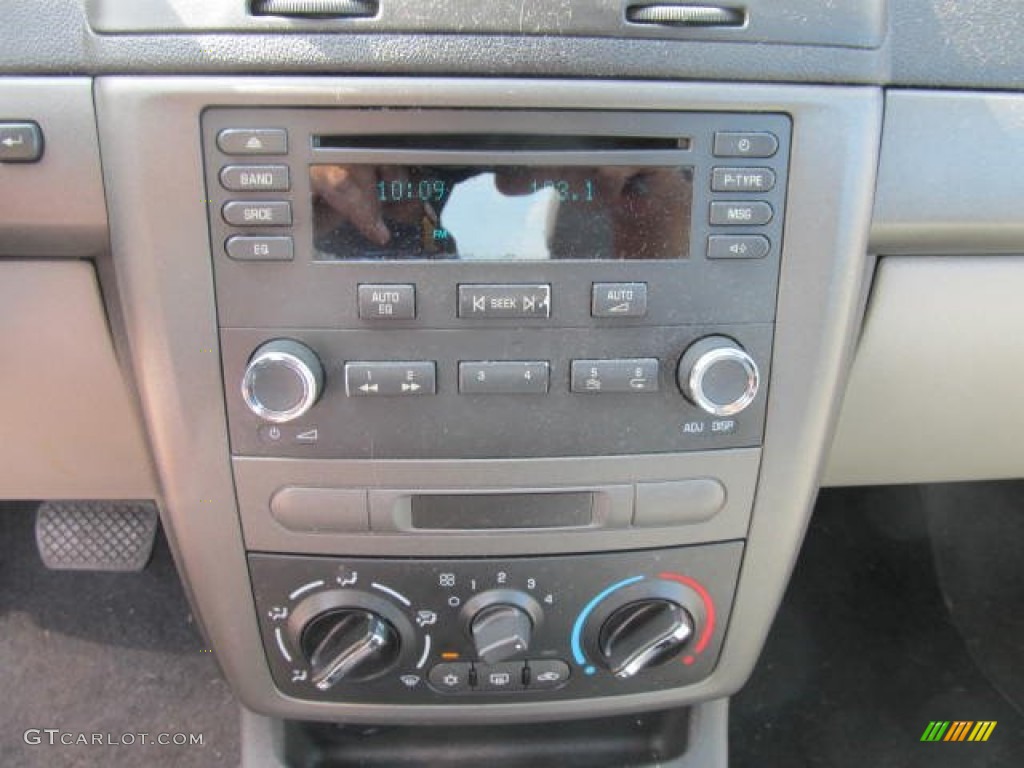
pixel 577 628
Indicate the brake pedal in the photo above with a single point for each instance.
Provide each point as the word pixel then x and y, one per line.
pixel 96 535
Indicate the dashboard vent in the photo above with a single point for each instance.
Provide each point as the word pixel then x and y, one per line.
pixel 315 9
pixel 673 15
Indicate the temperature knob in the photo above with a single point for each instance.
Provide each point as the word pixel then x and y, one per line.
pixel 643 634
pixel 283 380
pixel 718 376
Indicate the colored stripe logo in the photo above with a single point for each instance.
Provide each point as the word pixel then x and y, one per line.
pixel 958 730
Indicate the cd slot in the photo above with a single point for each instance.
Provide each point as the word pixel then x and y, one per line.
pixel 502 142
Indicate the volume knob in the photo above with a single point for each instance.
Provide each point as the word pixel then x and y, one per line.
pixel 718 376
pixel 283 380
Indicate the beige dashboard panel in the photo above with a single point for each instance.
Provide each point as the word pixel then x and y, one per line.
pixel 69 428
pixel 935 393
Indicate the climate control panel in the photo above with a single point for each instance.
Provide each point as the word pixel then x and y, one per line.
pixel 440 631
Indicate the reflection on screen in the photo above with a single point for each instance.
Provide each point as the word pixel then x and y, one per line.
pixel 506 213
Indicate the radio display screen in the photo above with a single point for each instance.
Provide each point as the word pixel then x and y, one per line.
pixel 500 212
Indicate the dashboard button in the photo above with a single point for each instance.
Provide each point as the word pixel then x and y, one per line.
pixel 742 179
pixel 546 674
pixel 253 141
pixel 504 301
pixel 506 676
pixel 387 302
pixel 618 300
pixel 256 248
pixel 20 142
pixel 255 178
pixel 270 214
pixel 617 375
pixel 390 379
pixel 735 214
pixel 738 246
pixel 504 377
pixel 451 678
pixel 745 144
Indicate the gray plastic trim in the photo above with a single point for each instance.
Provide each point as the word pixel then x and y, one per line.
pixel 53 207
pixel 708 741
pixel 950 174
pixel 149 129
pixel 845 23
pixel 257 480
pixel 934 392
pixel 70 429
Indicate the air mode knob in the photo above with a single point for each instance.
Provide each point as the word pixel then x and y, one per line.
pixel 643 634
pixel 347 635
pixel 718 376
pixel 283 380
pixel 348 643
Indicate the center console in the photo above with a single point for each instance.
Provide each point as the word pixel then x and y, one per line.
pixel 485 285
pixel 487 405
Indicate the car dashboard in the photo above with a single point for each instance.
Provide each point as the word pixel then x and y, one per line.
pixel 484 361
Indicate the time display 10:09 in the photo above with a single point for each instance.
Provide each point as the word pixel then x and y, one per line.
pixel 435 190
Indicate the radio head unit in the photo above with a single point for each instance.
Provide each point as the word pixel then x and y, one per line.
pixel 494 284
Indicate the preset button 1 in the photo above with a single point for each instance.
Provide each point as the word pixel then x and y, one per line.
pixel 390 379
